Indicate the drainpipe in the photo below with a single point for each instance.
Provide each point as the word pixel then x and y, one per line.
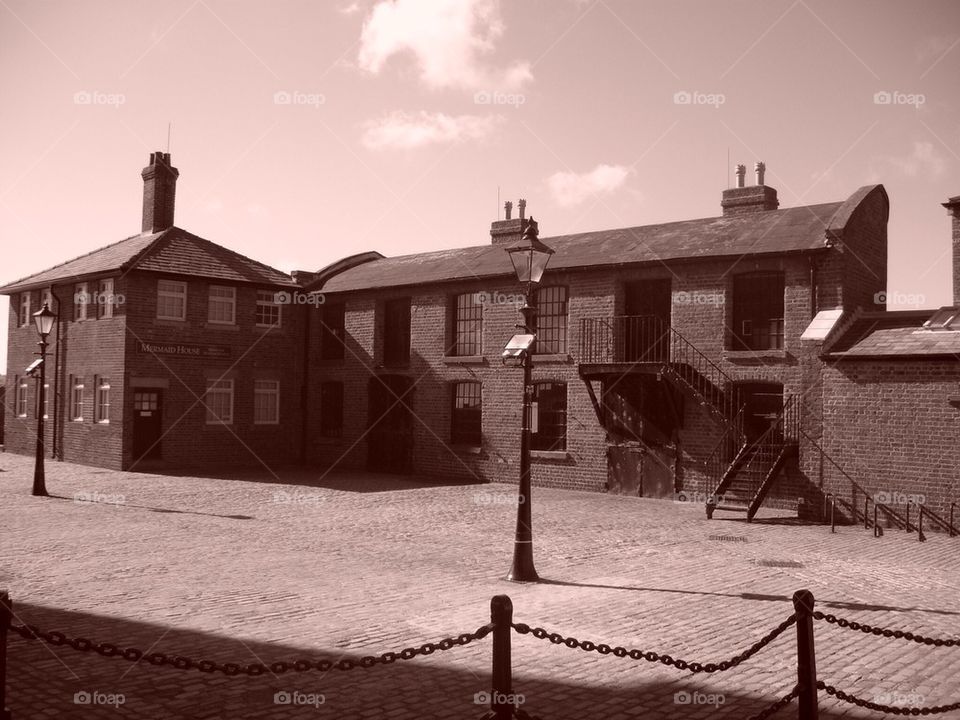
pixel 814 309
pixel 56 451
pixel 304 386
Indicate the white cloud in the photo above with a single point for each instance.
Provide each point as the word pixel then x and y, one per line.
pixel 570 188
pixel 923 160
pixel 447 38
pixel 413 130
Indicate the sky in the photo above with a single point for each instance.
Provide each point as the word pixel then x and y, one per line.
pixel 305 131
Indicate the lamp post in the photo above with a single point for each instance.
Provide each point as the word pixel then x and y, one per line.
pixel 44 321
pixel 529 257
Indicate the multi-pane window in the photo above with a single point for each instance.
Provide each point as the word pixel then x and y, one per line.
pixel 222 305
pixel 219 402
pixel 332 331
pixel 467 324
pixel 331 409
pixel 465 418
pixel 81 299
pixel 24 317
pixel 552 320
pixel 396 332
pixel 76 401
pixel 266 402
pixel 101 402
pixel 268 310
pixel 548 421
pixel 21 400
pixel 757 313
pixel 171 300
pixel 105 299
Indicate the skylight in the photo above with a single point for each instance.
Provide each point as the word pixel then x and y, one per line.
pixel 946 318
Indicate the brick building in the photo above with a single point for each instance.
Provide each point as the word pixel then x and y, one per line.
pixel 747 356
pixel 166 347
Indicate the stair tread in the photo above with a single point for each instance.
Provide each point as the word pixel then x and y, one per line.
pixel 734 508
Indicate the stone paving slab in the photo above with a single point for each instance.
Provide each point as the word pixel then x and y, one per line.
pixel 238 569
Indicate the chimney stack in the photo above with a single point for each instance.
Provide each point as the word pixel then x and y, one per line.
pixel 159 192
pixel 510 230
pixel 742 200
pixel 953 207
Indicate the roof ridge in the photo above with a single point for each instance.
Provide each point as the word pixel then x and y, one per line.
pixel 234 253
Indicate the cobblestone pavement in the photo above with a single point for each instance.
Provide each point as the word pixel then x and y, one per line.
pixel 234 569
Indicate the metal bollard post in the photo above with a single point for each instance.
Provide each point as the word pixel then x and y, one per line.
pixel 501 615
pixel 951 519
pixel 909 529
pixel 6 611
pixel 833 521
pixel 866 509
pixel 806 657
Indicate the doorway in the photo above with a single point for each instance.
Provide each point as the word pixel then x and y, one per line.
pixel 147 424
pixel 390 442
pixel 647 305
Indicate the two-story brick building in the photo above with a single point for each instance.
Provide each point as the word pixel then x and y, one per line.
pixel 166 346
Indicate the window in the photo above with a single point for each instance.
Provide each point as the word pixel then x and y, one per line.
pixel 266 402
pixel 757 311
pixel 465 419
pixel 548 421
pixel 171 300
pixel 101 402
pixel 332 331
pixel 946 318
pixel 80 301
pixel 219 402
pixel 222 307
pixel 21 399
pixel 467 324
pixel 268 310
pixel 552 320
pixel 24 318
pixel 331 409
pixel 76 401
pixel 105 299
pixel 46 298
pixel 396 332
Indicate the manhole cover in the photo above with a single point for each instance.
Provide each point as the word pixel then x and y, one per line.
pixel 780 563
pixel 729 538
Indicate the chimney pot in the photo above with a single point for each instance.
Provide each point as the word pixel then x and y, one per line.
pixel 522 208
pixel 760 168
pixel 741 173
pixel 507 209
pixel 953 207
pixel 159 193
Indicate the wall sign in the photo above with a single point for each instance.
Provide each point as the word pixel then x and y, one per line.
pixel 184 349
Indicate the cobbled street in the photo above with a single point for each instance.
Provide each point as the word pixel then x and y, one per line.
pixel 250 569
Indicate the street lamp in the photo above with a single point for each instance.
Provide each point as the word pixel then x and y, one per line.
pixel 529 257
pixel 43 319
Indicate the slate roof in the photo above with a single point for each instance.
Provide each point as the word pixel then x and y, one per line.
pixel 173 251
pixel 895 334
pixel 771 232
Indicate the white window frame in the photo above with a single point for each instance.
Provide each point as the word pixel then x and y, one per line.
pixel 176 289
pixel 222 300
pixel 105 298
pixel 46 400
pixel 272 392
pixel 101 402
pixel 219 387
pixel 76 401
pixel 24 318
pixel 268 298
pixel 21 399
pixel 81 299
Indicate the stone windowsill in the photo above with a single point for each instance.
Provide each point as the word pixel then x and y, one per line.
pixel 464 360
pixel 555 455
pixel 734 355
pixel 551 358
pixel 467 449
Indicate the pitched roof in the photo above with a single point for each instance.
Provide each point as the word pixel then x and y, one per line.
pixel 770 232
pixel 894 334
pixel 173 251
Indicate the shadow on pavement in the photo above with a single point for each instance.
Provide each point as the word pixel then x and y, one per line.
pixel 167 510
pixel 43 681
